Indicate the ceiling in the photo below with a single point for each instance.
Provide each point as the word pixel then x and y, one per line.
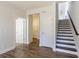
pixel 30 4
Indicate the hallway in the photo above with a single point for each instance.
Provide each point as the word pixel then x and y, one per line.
pixel 39 29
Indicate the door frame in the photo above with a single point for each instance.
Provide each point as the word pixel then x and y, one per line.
pixel 31 25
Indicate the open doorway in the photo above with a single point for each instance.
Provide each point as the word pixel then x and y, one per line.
pixel 20 31
pixel 62 10
pixel 34 31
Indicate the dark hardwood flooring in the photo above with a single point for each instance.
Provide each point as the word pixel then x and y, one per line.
pixel 34 51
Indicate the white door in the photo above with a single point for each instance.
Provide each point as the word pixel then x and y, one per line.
pixel 19 30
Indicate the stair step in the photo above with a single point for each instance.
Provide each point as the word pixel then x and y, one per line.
pixel 66 48
pixel 64 22
pixel 64 30
pixel 62 45
pixel 64 26
pixel 65 39
pixel 65 35
pixel 66 51
pixel 65 43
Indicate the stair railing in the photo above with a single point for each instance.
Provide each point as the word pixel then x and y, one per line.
pixel 73 24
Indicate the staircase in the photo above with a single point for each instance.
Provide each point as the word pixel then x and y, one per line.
pixel 65 42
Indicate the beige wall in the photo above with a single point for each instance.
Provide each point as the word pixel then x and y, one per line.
pixel 35 18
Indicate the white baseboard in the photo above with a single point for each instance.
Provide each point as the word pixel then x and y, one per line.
pixel 53 49
pixel 6 50
pixel 25 42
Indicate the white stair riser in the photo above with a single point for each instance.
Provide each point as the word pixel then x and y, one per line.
pixel 66 31
pixel 66 51
pixel 63 27
pixel 65 37
pixel 65 41
pixel 66 34
pixel 62 45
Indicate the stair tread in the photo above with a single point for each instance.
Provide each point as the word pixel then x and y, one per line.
pixel 70 46
pixel 65 35
pixel 65 39
pixel 63 28
pixel 67 48
pixel 66 43
pixel 66 51
pixel 65 32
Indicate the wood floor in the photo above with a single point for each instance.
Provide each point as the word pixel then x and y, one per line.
pixel 34 51
pixel 34 44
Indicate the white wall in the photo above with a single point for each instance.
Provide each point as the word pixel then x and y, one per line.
pixel 62 9
pixel 47 24
pixel 8 16
pixel 74 13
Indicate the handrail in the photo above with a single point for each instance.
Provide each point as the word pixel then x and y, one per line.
pixel 73 24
